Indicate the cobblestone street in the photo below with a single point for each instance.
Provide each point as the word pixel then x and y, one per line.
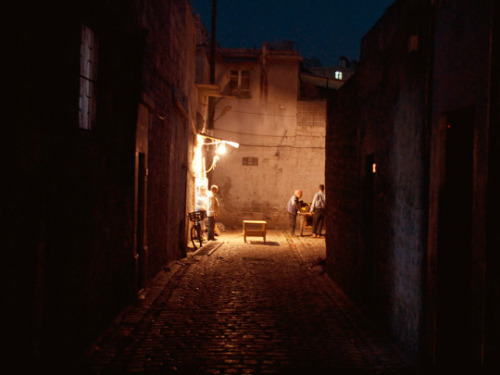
pixel 245 308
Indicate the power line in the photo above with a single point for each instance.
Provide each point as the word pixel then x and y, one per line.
pixel 261 114
pixel 284 146
pixel 269 135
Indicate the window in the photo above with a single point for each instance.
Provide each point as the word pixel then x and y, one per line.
pixel 239 83
pixel 413 43
pixel 338 74
pixel 250 161
pixel 88 72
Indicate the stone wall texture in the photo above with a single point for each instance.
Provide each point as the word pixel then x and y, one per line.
pixel 283 134
pixel 376 175
pixel 73 255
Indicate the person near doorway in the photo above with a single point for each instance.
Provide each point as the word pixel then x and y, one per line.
pixel 213 209
pixel 292 207
pixel 318 211
pixel 201 205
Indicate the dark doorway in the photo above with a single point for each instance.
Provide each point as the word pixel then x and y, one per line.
pixel 141 251
pixel 454 294
pixel 367 229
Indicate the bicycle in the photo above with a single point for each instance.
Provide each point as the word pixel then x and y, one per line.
pixel 196 233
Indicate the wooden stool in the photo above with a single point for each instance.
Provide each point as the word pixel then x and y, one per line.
pixel 256 228
pixel 305 221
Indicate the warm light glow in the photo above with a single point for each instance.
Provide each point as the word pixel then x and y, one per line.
pixel 198 160
pixel 221 148
pixel 198 166
pixel 374 168
pixel 200 175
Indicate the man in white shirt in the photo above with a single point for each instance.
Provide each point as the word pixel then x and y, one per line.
pixel 318 211
pixel 213 209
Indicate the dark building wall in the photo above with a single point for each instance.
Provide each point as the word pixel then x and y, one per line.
pixel 80 232
pixel 71 240
pixel 342 186
pixel 417 244
pixel 379 122
pixel 463 113
pixel 492 261
pixel 492 317
pixel 169 77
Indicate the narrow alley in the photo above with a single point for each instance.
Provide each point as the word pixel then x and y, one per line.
pixel 245 308
pixel 121 114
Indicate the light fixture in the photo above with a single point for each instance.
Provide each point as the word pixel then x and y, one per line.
pixel 230 143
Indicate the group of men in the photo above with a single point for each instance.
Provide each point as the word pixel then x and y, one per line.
pixel 294 205
pixel 317 208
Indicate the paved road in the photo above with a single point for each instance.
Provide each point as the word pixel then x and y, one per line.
pixel 245 308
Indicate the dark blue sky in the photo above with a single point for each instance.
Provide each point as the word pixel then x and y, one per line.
pixel 325 29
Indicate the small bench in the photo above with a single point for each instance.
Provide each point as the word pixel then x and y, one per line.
pixel 305 221
pixel 254 228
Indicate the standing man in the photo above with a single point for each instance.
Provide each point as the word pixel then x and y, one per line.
pixel 292 207
pixel 318 210
pixel 213 210
pixel 201 203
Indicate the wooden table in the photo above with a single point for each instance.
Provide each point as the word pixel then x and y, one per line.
pixel 255 228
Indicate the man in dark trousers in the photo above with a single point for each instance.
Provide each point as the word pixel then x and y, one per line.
pixel 213 209
pixel 292 207
pixel 318 211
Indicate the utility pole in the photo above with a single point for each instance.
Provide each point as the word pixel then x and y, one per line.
pixel 213 49
pixel 213 45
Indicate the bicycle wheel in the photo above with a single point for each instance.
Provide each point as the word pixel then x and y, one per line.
pixel 196 236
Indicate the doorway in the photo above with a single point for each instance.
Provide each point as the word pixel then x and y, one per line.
pixel 141 250
pixel 367 230
pixel 454 255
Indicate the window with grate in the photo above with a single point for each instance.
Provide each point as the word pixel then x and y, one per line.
pixel 311 114
pixel 250 161
pixel 88 75
pixel 239 83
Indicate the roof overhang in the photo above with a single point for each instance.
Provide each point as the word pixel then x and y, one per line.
pixel 325 82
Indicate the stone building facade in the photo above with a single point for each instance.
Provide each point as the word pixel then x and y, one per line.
pixel 280 134
pixel 106 105
pixel 410 145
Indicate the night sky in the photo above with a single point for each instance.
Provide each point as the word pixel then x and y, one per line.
pixel 325 29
